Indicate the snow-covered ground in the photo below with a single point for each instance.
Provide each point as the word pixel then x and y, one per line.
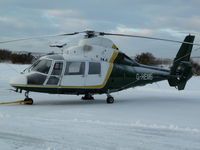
pixel 154 117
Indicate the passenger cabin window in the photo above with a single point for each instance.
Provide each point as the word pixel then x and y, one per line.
pixel 57 69
pixel 94 68
pixel 75 68
pixel 42 66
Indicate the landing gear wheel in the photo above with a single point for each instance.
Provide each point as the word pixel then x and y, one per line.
pixel 28 101
pixel 110 100
pixel 88 97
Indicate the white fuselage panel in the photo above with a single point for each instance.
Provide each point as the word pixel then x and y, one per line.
pixel 88 64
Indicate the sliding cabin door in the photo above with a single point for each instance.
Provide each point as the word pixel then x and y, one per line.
pixel 74 74
pixel 96 73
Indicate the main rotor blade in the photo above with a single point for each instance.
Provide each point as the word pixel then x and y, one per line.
pixel 147 37
pixel 38 37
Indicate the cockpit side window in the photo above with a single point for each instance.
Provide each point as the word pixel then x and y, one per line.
pixel 57 69
pixel 42 66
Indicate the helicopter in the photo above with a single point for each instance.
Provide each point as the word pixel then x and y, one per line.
pixel 96 66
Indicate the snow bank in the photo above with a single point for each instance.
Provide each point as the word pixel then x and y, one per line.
pixel 155 116
pixel 2 115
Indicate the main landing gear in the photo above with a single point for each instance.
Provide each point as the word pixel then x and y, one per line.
pixel 109 99
pixel 27 100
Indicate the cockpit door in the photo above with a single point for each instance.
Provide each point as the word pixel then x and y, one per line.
pixel 55 74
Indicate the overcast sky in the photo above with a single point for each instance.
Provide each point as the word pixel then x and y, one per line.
pixel 163 19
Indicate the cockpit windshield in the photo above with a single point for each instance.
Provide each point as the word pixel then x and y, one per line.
pixel 42 66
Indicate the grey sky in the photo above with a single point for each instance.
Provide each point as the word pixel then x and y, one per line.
pixel 164 19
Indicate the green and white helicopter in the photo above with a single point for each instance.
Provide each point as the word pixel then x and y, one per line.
pixel 96 66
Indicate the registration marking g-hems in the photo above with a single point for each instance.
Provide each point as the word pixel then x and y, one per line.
pixel 144 76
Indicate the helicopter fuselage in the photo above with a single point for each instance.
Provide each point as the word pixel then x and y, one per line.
pixel 94 66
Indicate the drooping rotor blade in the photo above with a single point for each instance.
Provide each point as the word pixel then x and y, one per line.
pixel 38 37
pixel 66 34
pixel 91 33
pixel 147 37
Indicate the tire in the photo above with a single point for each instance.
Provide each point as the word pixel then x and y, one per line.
pixel 110 100
pixel 28 99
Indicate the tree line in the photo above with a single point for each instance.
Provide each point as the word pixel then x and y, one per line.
pixel 150 59
pixel 15 58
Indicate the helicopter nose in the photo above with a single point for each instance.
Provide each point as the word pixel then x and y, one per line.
pixel 19 80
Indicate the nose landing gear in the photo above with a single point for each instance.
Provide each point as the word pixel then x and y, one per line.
pixel 27 100
pixel 87 96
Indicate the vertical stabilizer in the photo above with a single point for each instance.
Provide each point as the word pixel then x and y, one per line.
pixel 181 70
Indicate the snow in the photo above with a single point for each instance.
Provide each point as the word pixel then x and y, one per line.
pixel 155 116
